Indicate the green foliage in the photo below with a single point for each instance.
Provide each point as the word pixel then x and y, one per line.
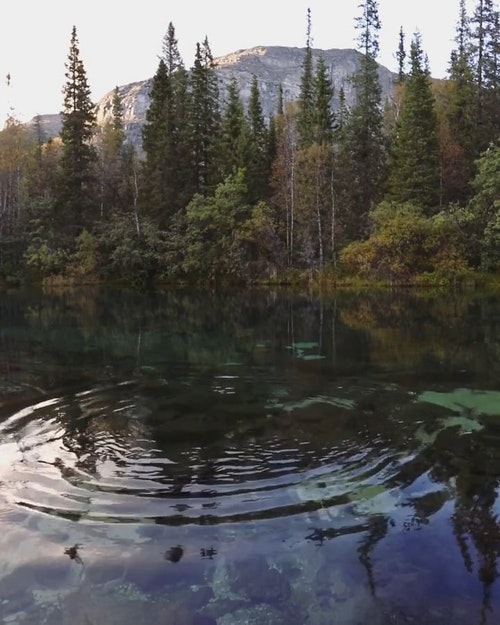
pixel 168 175
pixel 76 191
pixel 306 105
pixel 112 159
pixel 314 205
pixel 414 171
pixel 257 161
pixel 132 257
pixel 322 115
pixel 263 254
pixel 480 219
pixel 232 198
pixel 203 119
pixel 211 248
pixel 44 254
pixel 43 260
pixel 361 152
pixel 460 114
pixel 235 133
pixel 85 261
pixel 406 244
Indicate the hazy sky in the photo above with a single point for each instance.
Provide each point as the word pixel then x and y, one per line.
pixel 120 40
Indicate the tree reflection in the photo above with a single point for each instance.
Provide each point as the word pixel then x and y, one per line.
pixel 228 389
pixel 476 523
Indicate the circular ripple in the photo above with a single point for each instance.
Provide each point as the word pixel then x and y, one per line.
pixel 112 455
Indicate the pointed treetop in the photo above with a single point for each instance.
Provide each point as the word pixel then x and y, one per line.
pixel 368 26
pixel 170 51
pixel 309 41
pixel 401 56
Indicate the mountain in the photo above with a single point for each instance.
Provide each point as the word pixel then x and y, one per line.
pixel 273 66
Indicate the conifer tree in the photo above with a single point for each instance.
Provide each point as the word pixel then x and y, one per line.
pixel 401 56
pixel 322 115
pixel 485 62
pixel 77 193
pixel 414 172
pixel 153 138
pixel 111 157
pixel 258 164
pixel 164 137
pixel 363 148
pixel 280 108
pixel 306 91
pixel 204 120
pixel 491 72
pixel 235 133
pixel 460 115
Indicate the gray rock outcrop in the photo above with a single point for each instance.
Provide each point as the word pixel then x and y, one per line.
pixel 273 66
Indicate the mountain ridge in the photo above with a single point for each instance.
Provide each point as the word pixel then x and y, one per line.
pixel 273 66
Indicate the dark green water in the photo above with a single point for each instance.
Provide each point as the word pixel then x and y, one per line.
pixel 249 459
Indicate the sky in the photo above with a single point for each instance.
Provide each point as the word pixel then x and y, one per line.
pixel 120 41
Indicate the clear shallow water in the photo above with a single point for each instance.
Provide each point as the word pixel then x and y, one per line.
pixel 249 458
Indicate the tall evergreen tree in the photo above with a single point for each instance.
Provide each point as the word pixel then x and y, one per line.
pixel 154 196
pixel 235 133
pixel 401 56
pixel 204 119
pixel 111 143
pixel 491 73
pixel 306 90
pixel 164 135
pixel 460 115
pixel 322 114
pixel 414 174
pixel 482 29
pixel 77 191
pixel 363 150
pixel 281 106
pixel 258 165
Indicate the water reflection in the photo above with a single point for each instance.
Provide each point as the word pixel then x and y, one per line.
pixel 289 456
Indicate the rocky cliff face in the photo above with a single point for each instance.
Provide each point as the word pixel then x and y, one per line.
pixel 272 65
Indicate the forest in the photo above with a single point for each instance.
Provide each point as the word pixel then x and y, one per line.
pixel 404 190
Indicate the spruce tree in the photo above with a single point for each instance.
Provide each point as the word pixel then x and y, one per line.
pixel 154 195
pixel 306 91
pixel 414 173
pixel 111 143
pixel 363 146
pixel 77 191
pixel 235 133
pixel 491 72
pixel 485 53
pixel 204 120
pixel 258 165
pixel 164 136
pixel 280 108
pixel 401 56
pixel 460 115
pixel 322 115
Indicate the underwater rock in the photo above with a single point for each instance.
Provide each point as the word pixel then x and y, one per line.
pixel 256 615
pixel 174 554
pixel 256 581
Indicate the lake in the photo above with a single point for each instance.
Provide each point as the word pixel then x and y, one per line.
pixel 249 458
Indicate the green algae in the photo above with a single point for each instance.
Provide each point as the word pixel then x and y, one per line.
pixel 465 400
pixel 299 351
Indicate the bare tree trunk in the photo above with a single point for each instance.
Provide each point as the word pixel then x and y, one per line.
pixel 318 214
pixel 136 199
pixel 332 233
pixel 292 204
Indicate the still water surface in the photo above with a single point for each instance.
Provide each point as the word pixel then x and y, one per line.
pixel 249 459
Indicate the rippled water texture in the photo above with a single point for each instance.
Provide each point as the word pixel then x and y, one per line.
pixel 249 459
